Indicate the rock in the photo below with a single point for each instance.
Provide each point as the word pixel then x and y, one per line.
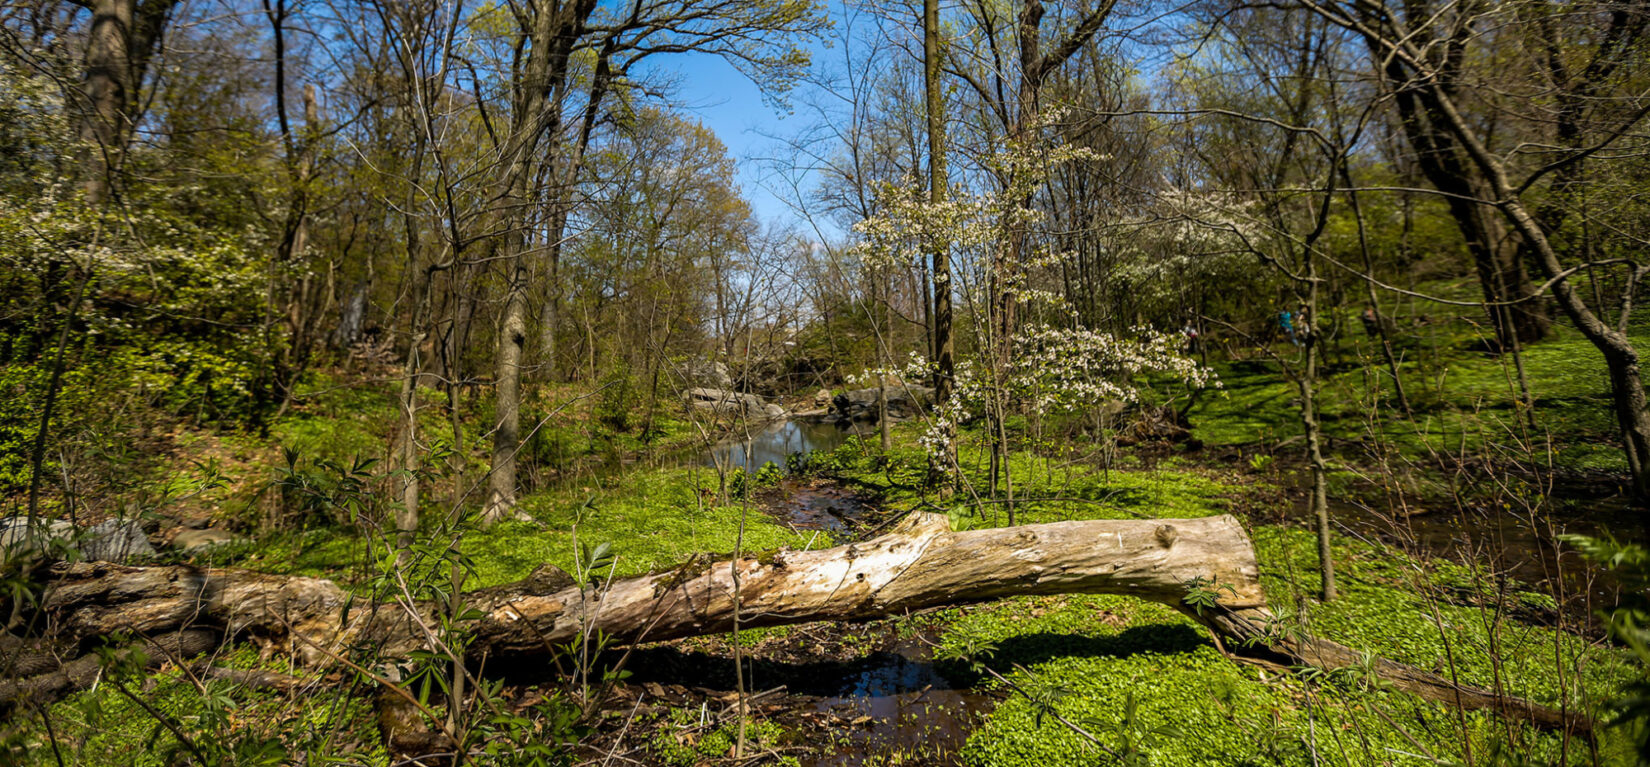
pixel 904 401
pixel 707 374
pixel 822 398
pixel 15 533
pixel 733 404
pixel 190 540
pixel 116 540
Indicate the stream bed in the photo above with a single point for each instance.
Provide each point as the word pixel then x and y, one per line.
pixel 1512 545
pixel 892 704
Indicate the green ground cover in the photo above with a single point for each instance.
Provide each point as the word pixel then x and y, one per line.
pixel 1193 706
pixel 1139 676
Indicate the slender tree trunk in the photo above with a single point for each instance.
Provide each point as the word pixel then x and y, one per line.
pixel 512 336
pixel 945 365
pixel 550 316
pixel 886 353
pixel 406 514
pixel 1308 326
pixel 1382 334
pixel 37 454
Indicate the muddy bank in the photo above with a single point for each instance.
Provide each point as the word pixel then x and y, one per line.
pixel 845 694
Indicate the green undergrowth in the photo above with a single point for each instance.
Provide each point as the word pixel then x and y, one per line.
pixel 1045 490
pixel 1139 676
pixel 653 519
pixel 568 436
pixel 686 738
pixel 115 723
pixel 1089 654
pixel 1086 656
pixel 1462 398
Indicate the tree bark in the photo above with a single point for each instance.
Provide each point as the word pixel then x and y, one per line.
pixel 919 563
pixel 501 483
pixel 945 363
pixel 119 44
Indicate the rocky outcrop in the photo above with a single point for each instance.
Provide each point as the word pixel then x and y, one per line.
pixel 116 540
pixel 732 404
pixel 905 401
pixel 113 540
pixel 18 536
pixel 707 374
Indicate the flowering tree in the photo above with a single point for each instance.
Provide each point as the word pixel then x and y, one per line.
pixel 1040 368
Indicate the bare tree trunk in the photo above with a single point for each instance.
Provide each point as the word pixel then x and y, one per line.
pixel 119 44
pixel 512 336
pixel 886 353
pixel 1320 470
pixel 945 364
pixel 1382 332
pixel 406 514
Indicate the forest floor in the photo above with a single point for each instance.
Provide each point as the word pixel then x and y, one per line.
pixel 1445 554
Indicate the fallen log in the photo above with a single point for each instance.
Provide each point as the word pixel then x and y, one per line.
pixel 917 564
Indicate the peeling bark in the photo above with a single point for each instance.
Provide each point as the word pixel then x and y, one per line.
pixel 919 563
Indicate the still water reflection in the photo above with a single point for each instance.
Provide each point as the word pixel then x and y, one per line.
pixel 773 442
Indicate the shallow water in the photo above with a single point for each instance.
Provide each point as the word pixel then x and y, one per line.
pixel 820 507
pixel 897 705
pixel 902 708
pixel 772 443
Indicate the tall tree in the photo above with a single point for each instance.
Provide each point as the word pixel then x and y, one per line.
pixel 945 364
pixel 755 34
pixel 1419 52
pixel 122 38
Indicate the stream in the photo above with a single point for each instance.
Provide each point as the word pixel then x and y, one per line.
pixel 901 707
pixel 772 443
pixel 894 705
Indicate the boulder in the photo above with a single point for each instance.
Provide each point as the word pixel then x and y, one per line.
pixel 707 374
pixel 904 401
pixel 116 540
pixel 733 404
pixel 17 536
pixel 822 398
pixel 191 540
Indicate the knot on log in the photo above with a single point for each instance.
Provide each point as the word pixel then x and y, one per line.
pixel 1166 535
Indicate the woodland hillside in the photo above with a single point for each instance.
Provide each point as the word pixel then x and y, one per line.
pixel 1091 382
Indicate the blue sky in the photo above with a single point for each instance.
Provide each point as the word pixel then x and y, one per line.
pixel 727 102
